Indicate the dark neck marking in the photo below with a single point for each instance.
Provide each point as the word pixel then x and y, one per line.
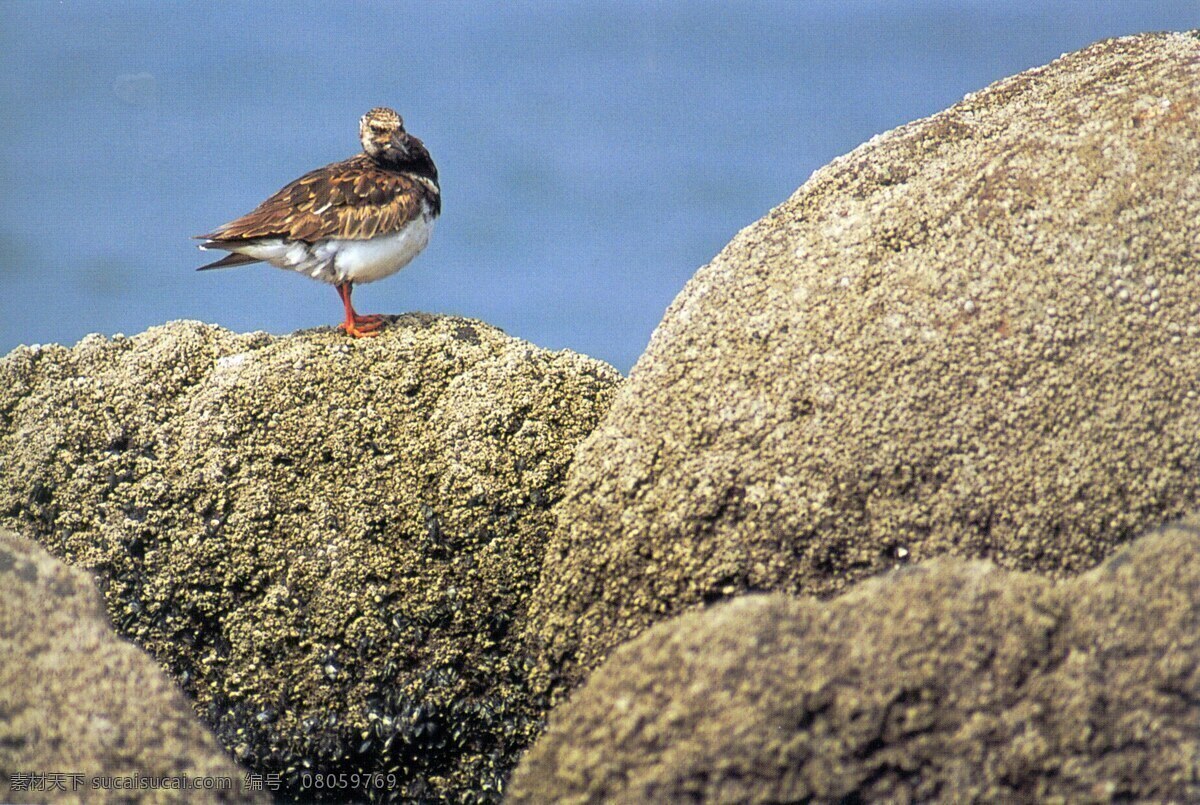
pixel 418 162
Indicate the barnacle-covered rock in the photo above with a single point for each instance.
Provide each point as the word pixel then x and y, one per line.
pixel 948 681
pixel 329 542
pixel 84 715
pixel 975 335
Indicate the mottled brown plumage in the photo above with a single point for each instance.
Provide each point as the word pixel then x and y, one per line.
pixel 357 198
pixel 354 221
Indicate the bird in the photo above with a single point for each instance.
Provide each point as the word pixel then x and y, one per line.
pixel 348 223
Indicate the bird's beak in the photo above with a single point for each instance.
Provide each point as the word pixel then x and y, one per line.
pixel 400 143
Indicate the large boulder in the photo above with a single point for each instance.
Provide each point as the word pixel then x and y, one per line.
pixel 84 715
pixel 329 542
pixel 948 681
pixel 976 335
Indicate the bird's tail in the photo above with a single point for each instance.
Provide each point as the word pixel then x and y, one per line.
pixel 228 261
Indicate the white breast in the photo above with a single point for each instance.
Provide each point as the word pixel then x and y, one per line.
pixel 337 260
pixel 360 261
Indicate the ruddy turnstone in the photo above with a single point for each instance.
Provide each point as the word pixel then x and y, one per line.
pixel 351 222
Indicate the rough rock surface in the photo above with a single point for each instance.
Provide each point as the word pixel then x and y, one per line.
pixel 948 681
pixel 976 335
pixel 329 542
pixel 75 699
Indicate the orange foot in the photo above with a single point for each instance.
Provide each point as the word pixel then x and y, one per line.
pixel 362 326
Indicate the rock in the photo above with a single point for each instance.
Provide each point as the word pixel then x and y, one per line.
pixel 79 706
pixel 330 543
pixel 948 681
pixel 975 335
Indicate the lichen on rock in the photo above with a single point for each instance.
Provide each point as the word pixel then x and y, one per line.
pixel 330 543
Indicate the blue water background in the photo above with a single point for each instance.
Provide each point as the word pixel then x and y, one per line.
pixel 592 155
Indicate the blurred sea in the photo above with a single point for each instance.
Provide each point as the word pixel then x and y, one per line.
pixel 592 155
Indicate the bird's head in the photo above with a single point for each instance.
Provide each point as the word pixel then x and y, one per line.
pixel 383 136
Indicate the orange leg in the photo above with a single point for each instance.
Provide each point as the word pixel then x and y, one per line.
pixel 356 325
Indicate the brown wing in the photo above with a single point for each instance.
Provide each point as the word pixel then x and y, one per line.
pixel 351 199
